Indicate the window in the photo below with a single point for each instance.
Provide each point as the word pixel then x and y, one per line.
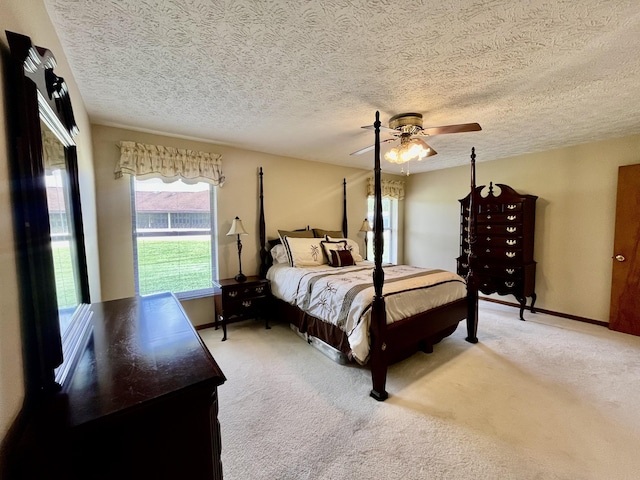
pixel 62 246
pixel 390 233
pixel 173 237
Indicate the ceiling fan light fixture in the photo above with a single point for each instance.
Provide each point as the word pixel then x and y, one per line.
pixel 414 149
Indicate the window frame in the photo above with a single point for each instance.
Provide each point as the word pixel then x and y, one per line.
pixel 213 238
pixel 390 229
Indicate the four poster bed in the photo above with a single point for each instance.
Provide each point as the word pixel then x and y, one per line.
pixel 322 286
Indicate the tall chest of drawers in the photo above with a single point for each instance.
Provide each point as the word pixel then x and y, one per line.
pixel 503 251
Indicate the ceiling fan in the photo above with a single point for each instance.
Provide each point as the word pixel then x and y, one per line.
pixel 407 127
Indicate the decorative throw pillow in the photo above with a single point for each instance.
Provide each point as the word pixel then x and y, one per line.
pixel 320 233
pixel 304 252
pixel 328 246
pixel 295 234
pixel 352 246
pixel 341 258
pixel 279 254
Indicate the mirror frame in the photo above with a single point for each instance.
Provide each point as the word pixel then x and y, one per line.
pixel 36 94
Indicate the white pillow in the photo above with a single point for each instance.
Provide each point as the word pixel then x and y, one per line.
pixel 304 252
pixel 279 254
pixel 352 246
pixel 329 245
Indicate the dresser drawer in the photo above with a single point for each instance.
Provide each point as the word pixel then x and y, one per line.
pixel 511 255
pixel 501 271
pixel 499 241
pixel 462 266
pixel 484 268
pixel 484 208
pixel 490 285
pixel 484 241
pixel 513 217
pixel 499 229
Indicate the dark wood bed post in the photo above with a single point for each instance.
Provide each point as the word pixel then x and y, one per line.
pixel 344 207
pixel 378 312
pixel 472 284
pixel 263 232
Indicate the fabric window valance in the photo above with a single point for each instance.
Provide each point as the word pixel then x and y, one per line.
pixel 53 154
pixel 169 163
pixel 390 188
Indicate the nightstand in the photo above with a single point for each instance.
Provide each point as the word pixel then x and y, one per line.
pixel 235 301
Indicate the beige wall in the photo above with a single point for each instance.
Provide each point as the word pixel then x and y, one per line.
pixel 297 194
pixel 31 19
pixel 575 215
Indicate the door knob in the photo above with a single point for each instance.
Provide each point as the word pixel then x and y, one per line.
pixel 620 258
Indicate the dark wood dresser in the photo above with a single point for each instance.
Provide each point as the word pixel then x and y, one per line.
pixel 142 402
pixel 504 246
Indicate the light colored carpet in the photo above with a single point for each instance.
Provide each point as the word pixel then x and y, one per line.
pixel 548 398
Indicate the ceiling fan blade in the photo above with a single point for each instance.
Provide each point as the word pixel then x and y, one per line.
pixel 382 129
pixel 362 150
pixel 370 147
pixel 431 151
pixel 463 127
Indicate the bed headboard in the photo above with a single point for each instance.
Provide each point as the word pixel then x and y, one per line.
pixel 265 257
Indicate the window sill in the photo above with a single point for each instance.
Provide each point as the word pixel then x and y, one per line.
pixel 195 294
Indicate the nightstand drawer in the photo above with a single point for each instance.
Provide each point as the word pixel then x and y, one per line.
pixel 245 291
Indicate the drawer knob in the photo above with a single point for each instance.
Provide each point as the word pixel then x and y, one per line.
pixel 465 265
pixel 488 227
pixel 509 284
pixel 488 239
pixel 511 229
pixel 246 303
pixel 511 242
pixel 512 206
pixel 510 254
pixel 510 271
pixel 511 217
pixel 233 293
pixel 259 289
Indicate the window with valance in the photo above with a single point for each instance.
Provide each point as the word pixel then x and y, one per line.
pixel 173 217
pixel 392 191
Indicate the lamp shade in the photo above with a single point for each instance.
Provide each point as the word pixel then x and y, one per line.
pixel 409 150
pixel 237 228
pixel 366 226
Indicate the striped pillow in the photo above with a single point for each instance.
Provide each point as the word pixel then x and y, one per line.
pixel 341 258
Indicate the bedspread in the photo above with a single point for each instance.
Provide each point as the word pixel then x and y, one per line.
pixel 343 296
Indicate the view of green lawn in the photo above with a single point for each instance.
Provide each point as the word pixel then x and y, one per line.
pixel 173 264
pixel 165 264
pixel 65 282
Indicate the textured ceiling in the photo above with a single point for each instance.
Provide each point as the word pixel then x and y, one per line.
pixel 298 78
